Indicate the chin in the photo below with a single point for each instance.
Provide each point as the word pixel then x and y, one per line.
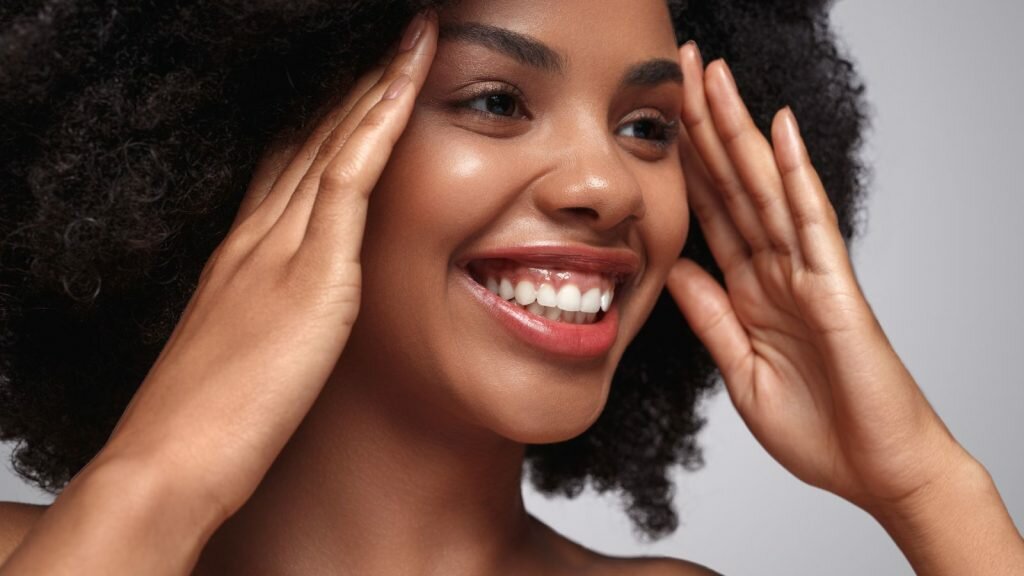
pixel 539 429
pixel 533 404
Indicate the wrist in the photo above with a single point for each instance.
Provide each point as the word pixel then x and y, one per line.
pixel 955 524
pixel 116 517
pixel 147 489
pixel 959 477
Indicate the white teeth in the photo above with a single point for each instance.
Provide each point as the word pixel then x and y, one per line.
pixel 591 301
pixel 546 296
pixel 557 314
pixel 525 293
pixel 569 298
pixel 565 305
pixel 505 289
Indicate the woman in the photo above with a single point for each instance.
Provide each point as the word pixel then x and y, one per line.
pixel 558 176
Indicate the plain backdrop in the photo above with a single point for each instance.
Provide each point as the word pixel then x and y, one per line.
pixel 941 262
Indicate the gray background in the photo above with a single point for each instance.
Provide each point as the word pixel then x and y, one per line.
pixel 940 261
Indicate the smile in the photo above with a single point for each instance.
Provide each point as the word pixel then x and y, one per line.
pixel 568 296
pixel 560 301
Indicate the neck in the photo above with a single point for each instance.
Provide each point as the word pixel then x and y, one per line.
pixel 367 485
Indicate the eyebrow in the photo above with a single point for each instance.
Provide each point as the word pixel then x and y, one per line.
pixel 652 73
pixel 520 47
pixel 535 54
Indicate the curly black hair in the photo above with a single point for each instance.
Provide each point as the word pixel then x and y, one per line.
pixel 128 134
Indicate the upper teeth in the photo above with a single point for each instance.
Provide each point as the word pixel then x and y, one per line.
pixel 567 299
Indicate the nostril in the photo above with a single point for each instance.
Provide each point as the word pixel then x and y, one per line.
pixel 583 212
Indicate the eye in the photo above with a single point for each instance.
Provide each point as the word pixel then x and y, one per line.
pixel 497 104
pixel 653 128
pixel 495 101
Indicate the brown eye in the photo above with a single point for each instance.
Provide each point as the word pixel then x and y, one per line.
pixel 498 104
pixel 653 129
pixel 646 130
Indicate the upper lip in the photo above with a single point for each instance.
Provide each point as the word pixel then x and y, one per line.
pixel 619 263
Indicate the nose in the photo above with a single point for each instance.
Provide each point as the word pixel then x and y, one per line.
pixel 589 183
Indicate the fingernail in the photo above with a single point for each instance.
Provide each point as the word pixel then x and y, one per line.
pixel 727 74
pixel 792 127
pixel 792 118
pixel 397 85
pixel 696 52
pixel 413 33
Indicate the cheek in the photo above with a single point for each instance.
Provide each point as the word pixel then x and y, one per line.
pixel 668 218
pixel 439 185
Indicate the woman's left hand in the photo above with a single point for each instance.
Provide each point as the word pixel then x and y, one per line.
pixel 803 357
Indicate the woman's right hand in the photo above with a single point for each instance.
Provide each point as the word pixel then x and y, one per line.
pixel 271 315
pixel 277 300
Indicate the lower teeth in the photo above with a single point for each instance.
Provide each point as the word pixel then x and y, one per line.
pixel 559 315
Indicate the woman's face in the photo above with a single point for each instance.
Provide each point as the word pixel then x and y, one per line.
pixel 540 165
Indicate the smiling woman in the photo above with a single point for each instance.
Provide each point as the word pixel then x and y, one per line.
pixel 319 300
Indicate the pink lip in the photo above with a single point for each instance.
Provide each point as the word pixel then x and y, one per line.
pixel 616 262
pixel 579 341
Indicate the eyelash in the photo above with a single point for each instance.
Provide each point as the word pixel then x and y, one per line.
pixel 667 131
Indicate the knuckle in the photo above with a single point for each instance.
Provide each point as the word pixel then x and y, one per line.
pixel 793 170
pixel 731 136
pixel 728 186
pixel 807 218
pixel 345 174
pixel 332 145
pixel 339 177
pixel 376 119
pixel 692 119
pixel 764 200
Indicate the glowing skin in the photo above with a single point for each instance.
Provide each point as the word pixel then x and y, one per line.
pixel 563 174
pixel 544 165
pixel 416 443
pixel 411 456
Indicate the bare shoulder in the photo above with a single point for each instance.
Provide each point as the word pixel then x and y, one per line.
pixel 16 520
pixel 666 567
pixel 578 559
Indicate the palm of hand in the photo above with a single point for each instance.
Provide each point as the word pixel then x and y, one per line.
pixel 803 357
pixel 788 396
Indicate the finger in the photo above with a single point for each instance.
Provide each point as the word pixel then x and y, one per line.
pixel 709 313
pixel 727 245
pixel 268 170
pixel 752 157
pixel 700 125
pixel 281 169
pixel 414 64
pixel 338 211
pixel 270 195
pixel 815 220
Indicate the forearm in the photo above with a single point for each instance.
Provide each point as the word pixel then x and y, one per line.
pixel 959 526
pixel 116 518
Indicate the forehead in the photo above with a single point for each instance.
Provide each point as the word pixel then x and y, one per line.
pixel 583 31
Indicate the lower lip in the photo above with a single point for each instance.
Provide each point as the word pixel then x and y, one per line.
pixel 559 338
